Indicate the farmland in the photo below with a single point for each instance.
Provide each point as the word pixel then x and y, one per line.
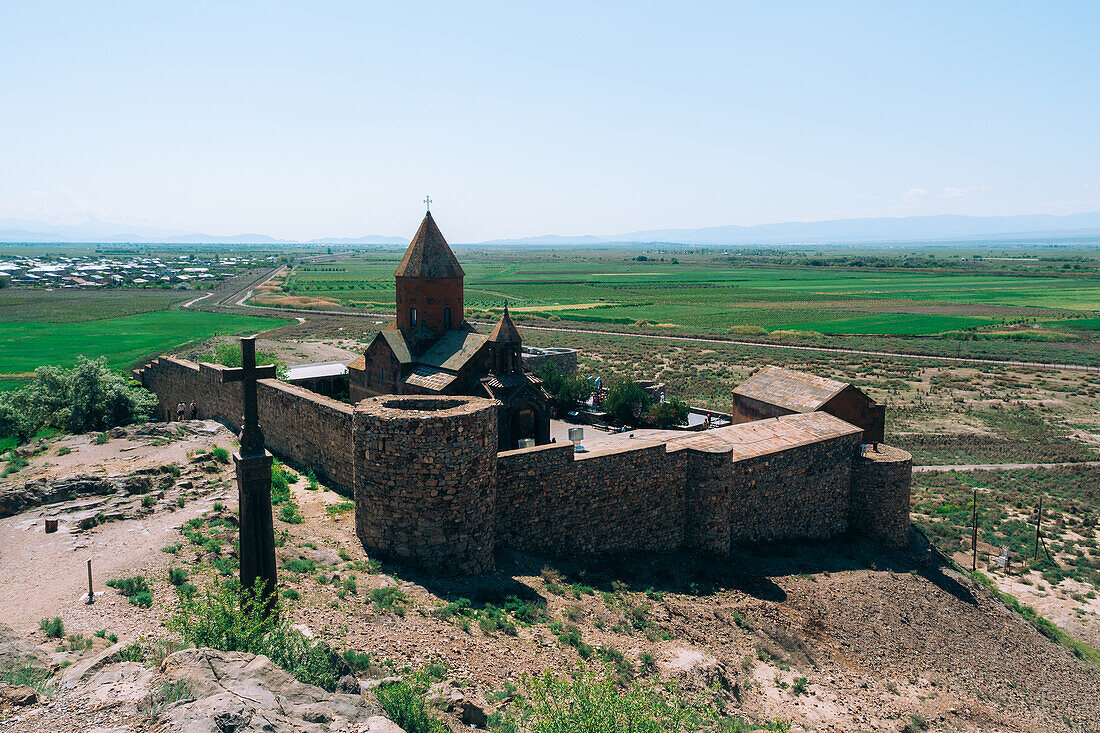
pixel 54 327
pixel 1039 312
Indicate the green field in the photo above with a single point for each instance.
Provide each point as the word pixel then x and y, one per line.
pixel 710 295
pixel 124 340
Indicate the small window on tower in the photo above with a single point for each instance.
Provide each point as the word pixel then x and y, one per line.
pixel 412 316
pixel 446 317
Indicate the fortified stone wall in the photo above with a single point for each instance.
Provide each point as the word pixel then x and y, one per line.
pixel 629 500
pixel 879 499
pixel 797 493
pixel 425 487
pixel 432 490
pixel 566 359
pixel 648 498
pixel 302 427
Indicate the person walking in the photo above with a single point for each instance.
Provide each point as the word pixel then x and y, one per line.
pixel 193 411
pixel 181 409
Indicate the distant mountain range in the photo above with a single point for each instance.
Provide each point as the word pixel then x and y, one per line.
pixel 835 231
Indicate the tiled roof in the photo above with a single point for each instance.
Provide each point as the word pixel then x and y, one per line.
pixel 796 391
pixel 428 254
pixel 358 364
pixel 761 437
pixel 505 331
pixel 427 377
pixel 453 350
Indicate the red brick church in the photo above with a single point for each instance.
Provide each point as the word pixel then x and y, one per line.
pixel 431 349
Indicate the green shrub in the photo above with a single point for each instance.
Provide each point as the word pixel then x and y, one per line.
pixel 280 485
pixel 566 390
pixel 221 455
pixel 148 500
pixel 132 652
pixel 227 618
pixel 64 450
pixel 404 705
pixel 627 402
pixel 311 480
pixel 290 513
pixel 291 595
pixel 590 700
pixel 16 463
pixel 135 588
pixel 87 397
pixel 177 576
pixel 16 674
pixel 341 508
pixel 300 565
pixel 101 438
pixel 391 598
pixel 358 661
pixel 53 627
pixel 218 506
pixel 800 686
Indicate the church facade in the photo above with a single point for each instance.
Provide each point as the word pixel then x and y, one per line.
pixel 430 348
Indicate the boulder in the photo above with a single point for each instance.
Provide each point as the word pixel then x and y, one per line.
pixel 19 653
pixel 50 491
pixel 378 724
pixel 240 692
pixel 19 695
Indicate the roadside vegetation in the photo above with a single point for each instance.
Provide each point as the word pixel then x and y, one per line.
pixel 87 397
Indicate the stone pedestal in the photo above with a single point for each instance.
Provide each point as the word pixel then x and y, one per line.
pixel 257 533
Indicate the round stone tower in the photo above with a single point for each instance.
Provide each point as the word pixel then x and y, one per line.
pixel 425 480
pixel 878 505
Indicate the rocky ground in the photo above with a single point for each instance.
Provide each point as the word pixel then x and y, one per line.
pixel 831 637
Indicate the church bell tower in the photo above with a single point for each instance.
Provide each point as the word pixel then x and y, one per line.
pixel 429 284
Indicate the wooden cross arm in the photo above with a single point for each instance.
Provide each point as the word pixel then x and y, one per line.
pixel 241 375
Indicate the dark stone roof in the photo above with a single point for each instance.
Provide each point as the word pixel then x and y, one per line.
pixel 505 331
pixel 453 350
pixel 428 254
pixel 398 345
pixel 795 391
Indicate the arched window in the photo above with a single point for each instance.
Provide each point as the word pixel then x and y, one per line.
pixel 412 316
pixel 447 317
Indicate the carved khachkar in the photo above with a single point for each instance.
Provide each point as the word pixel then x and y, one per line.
pixel 253 465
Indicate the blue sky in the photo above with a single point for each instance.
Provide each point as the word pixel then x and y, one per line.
pixel 335 119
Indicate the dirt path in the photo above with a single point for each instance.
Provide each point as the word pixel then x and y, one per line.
pixel 190 303
pixel 46 574
pixel 1001 466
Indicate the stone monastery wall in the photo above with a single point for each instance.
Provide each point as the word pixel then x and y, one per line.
pixel 431 490
pixel 300 426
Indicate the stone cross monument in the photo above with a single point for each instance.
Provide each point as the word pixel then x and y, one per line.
pixel 253 465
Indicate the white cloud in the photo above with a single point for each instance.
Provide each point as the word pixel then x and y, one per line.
pixel 952 192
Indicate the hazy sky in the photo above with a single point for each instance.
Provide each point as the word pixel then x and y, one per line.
pixel 335 119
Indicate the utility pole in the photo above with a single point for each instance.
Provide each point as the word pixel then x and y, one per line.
pixel 1038 521
pixel 974 534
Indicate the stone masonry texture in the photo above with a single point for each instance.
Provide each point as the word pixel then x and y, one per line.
pixel 425 487
pixel 431 489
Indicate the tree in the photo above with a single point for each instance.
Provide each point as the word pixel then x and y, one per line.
pixel 228 354
pixel 565 390
pixel 670 413
pixel 627 401
pixel 87 397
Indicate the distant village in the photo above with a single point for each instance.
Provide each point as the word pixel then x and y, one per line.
pixel 127 271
